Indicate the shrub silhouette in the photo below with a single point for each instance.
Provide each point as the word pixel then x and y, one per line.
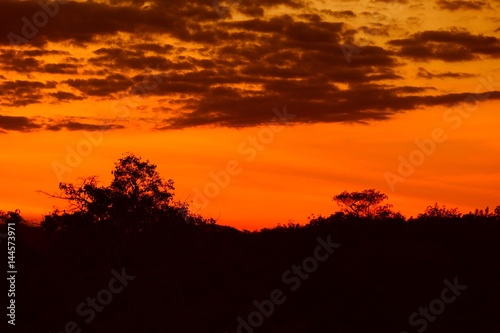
pixel 11 216
pixel 439 212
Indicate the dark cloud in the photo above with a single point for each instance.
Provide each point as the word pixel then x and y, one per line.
pixel 256 8
pixel 455 5
pixel 253 11
pixel 131 59
pixel 27 61
pixel 101 87
pixel 83 22
pixel 210 70
pixel 339 13
pixel 310 17
pixel 21 93
pixel 376 29
pixel 78 126
pixel 447 46
pixel 422 73
pixel 11 60
pixel 362 104
pixel 153 47
pixel 392 1
pixel 25 124
pixel 21 124
pixel 376 16
pixel 64 96
pixel 40 53
pixel 60 68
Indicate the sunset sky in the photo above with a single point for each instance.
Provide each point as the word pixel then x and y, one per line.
pixel 260 111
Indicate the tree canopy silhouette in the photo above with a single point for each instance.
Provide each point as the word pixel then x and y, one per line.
pixel 367 203
pixel 137 196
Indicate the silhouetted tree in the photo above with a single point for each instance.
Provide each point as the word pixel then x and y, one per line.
pixel 86 197
pixel 52 222
pixel 367 203
pixel 136 197
pixel 138 193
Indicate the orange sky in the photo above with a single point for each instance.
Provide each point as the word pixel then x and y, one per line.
pixel 195 85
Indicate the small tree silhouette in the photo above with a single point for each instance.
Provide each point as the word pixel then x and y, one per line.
pixel 367 203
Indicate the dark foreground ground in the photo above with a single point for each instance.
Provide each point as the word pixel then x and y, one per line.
pixel 202 279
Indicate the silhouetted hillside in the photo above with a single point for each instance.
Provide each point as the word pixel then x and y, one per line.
pixel 127 258
pixel 201 279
